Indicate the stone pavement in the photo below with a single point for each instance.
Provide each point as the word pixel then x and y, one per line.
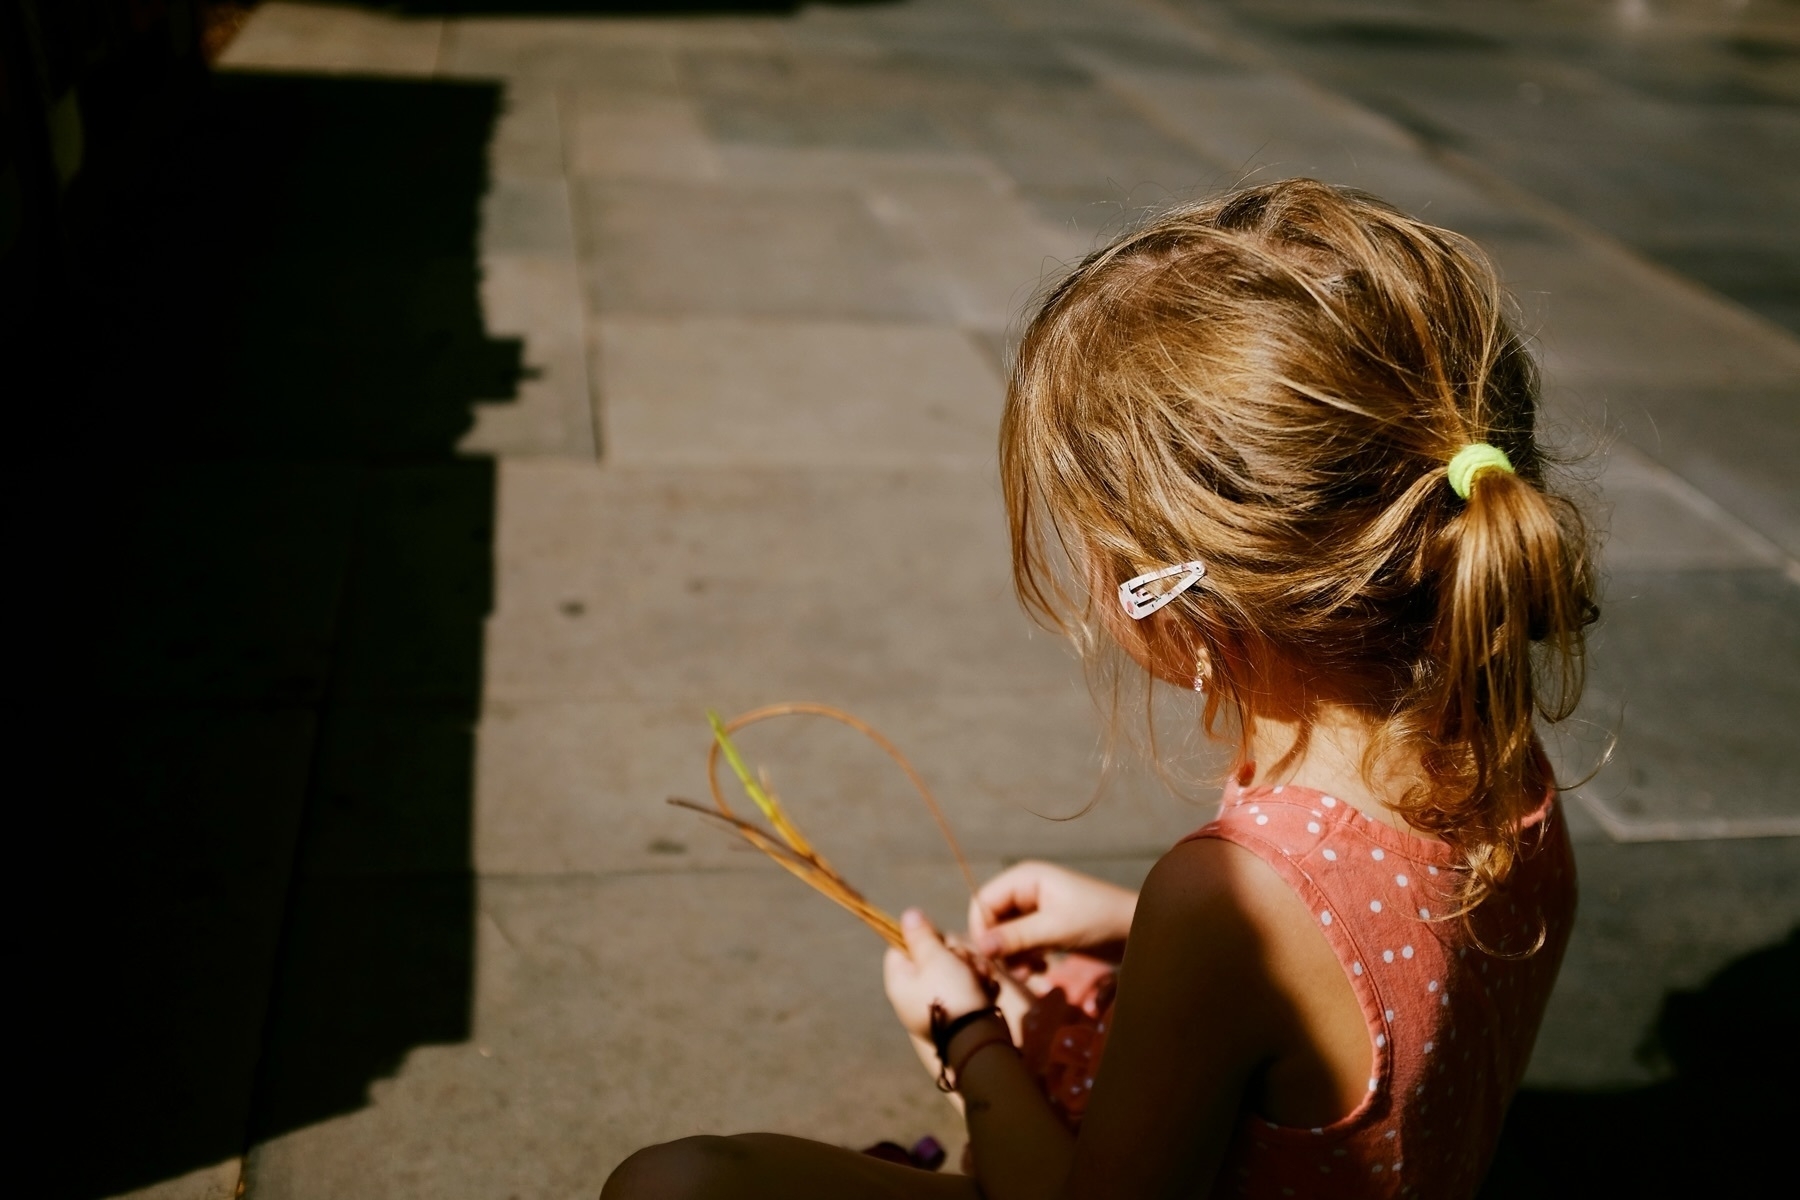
pixel 756 273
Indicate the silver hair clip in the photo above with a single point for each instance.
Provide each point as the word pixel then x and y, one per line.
pixel 1139 602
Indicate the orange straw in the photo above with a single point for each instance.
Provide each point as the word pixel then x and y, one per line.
pixel 792 851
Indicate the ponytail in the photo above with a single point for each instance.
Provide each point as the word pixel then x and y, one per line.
pixel 1514 596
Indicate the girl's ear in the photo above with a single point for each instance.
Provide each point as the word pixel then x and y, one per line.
pixel 1202 668
pixel 1172 651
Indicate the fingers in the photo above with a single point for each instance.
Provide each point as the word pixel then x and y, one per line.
pixel 1012 938
pixel 923 941
pixel 1012 994
pixel 1014 890
pixel 897 971
pixel 979 918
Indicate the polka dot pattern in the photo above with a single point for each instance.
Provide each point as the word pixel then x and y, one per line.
pixel 1449 1025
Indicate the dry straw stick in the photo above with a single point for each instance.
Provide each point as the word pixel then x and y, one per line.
pixel 793 851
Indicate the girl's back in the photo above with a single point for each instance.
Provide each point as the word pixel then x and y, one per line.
pixel 1449 1017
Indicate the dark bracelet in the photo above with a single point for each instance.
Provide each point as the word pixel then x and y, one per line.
pixel 951 1080
pixel 944 1031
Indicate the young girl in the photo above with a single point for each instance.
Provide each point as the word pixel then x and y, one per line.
pixel 1284 441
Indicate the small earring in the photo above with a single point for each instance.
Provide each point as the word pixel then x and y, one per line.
pixel 1200 678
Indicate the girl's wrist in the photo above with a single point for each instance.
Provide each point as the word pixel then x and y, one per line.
pixel 945 1028
pixel 971 1041
pixel 988 1022
pixel 995 1042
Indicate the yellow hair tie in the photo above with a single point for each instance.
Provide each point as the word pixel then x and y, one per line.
pixel 1471 461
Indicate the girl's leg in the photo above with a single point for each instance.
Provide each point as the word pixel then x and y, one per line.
pixel 773 1166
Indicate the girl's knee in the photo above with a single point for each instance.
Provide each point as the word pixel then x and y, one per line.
pixel 692 1168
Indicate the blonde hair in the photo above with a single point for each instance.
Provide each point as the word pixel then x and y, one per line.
pixel 1274 382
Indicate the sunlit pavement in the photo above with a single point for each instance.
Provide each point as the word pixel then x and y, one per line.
pixel 763 268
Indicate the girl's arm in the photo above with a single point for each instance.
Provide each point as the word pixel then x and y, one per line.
pixel 1199 1011
pixel 1021 1149
pixel 1196 1014
pixel 1037 906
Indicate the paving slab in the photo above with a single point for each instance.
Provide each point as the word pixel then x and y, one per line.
pixel 1268 127
pixel 613 1011
pixel 876 122
pixel 1611 322
pixel 1669 126
pixel 537 299
pixel 808 167
pixel 1654 919
pixel 664 249
pixel 1734 444
pixel 422 582
pixel 992 250
pixel 630 135
pixel 592 54
pixel 1655 520
pixel 1698 673
pixel 1085 139
pixel 757 576
pixel 531 287
pixel 986 243
pixel 527 141
pixel 213 583
pixel 931 49
pixel 717 391
pixel 220 1181
pixel 389 787
pixel 579 786
pixel 549 32
pixel 526 217
pixel 161 862
pixel 373 965
pixel 333 39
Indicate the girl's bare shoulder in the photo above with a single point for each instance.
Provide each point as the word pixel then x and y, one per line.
pixel 1220 914
pixel 1252 953
pixel 1224 911
pixel 1218 881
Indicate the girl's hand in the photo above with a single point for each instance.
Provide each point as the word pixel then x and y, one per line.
pixel 1036 906
pixel 931 970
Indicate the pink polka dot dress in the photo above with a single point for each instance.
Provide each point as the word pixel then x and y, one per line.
pixel 1450 1026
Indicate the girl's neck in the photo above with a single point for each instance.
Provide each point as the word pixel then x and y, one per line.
pixel 1331 761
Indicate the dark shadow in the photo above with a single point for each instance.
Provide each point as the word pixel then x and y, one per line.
pixel 248 574
pixel 1717 1126
pixel 1396 35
